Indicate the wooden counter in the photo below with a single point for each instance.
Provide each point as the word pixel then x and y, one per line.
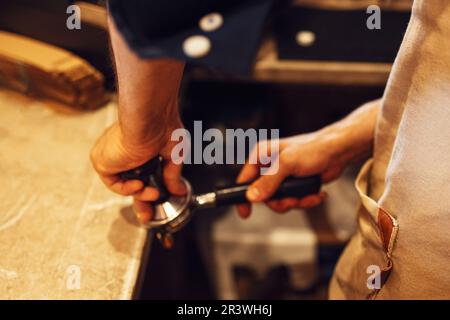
pixel 63 235
pixel 269 68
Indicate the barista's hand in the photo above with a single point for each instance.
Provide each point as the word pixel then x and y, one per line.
pixel 112 154
pixel 326 152
pixel 148 91
pixel 302 155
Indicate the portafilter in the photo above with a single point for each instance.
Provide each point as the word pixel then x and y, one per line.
pixel 171 212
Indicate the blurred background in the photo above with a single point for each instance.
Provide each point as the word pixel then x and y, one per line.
pixel 315 65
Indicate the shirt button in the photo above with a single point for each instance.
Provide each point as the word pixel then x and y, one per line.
pixel 211 22
pixel 196 46
pixel 305 38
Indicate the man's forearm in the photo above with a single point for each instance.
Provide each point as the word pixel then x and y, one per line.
pixel 148 92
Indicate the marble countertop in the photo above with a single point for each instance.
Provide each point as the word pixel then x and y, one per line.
pixel 63 235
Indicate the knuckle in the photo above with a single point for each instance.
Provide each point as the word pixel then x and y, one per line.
pixel 264 188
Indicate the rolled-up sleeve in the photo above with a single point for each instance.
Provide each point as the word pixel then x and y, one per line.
pixel 223 34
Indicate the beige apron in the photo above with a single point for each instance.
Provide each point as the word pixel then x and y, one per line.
pixel 404 218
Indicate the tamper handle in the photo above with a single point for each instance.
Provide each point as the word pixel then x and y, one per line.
pixel 150 173
pixel 291 187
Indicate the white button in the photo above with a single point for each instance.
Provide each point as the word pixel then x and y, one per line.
pixel 196 46
pixel 211 22
pixel 305 38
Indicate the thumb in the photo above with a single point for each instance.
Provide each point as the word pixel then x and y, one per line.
pixel 143 211
pixel 172 178
pixel 263 188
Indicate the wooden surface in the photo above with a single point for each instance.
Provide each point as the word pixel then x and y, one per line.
pixel 57 220
pixel 93 14
pixel 269 68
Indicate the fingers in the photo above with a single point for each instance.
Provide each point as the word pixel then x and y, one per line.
pixel 244 210
pixel 286 204
pixel 282 205
pixel 123 187
pixel 263 188
pixel 312 201
pixel 147 194
pixel 136 188
pixel 259 157
pixel 308 202
pixel 172 178
pixel 248 172
pixel 141 206
pixel 143 211
pixel 133 188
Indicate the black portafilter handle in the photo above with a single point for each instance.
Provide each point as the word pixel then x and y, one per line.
pixel 291 187
pixel 150 173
